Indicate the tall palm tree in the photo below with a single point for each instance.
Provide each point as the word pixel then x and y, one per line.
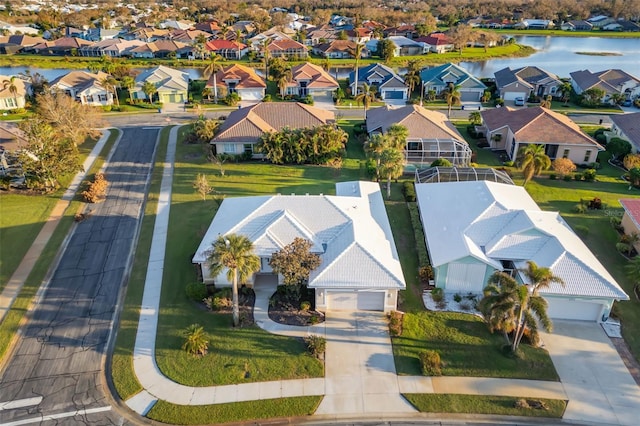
pixel 412 80
pixel 532 160
pixel 211 70
pixel 13 88
pixel 397 135
pixel 475 118
pixel 149 89
pixel 633 273
pixel 356 52
pixel 235 253
pixel 391 165
pixel 374 146
pixel 128 83
pixel 565 91
pixel 367 96
pixel 265 53
pixel 283 80
pixel 238 42
pixel 539 277
pixel 452 96
pixel 111 85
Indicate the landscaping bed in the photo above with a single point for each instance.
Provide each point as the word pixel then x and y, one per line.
pixel 284 309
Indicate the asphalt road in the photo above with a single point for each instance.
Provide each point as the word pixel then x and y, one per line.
pixel 57 368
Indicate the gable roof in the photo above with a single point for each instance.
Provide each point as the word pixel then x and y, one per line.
pixel 336 46
pixel 246 76
pixel 21 89
pixel 607 80
pixel 285 44
pixel 502 222
pixel 434 40
pixel 316 75
pixel 376 70
pixel 630 126
pixel 80 80
pixel 350 231
pixel 443 74
pixel 528 76
pixel 420 122
pixel 164 78
pixel 632 207
pixel 537 125
pixel 220 44
pixel 250 123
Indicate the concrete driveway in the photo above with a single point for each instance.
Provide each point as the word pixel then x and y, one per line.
pixel 360 374
pixel 596 381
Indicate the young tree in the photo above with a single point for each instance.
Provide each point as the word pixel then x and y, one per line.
pixel 386 49
pixel 201 185
pixel 532 160
pixel 233 252
pixel 196 340
pixel 367 96
pixel 37 81
pixel 294 262
pixel 205 129
pixel 149 89
pixel 618 147
pixel 452 96
pixel 563 166
pixel 211 70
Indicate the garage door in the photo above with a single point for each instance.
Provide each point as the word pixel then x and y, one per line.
pixel 510 96
pixel 465 277
pixel 352 301
pixel 394 94
pixel 469 96
pixel 574 309
pixel 251 95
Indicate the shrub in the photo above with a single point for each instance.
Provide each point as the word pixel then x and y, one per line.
pixel 430 363
pixel 563 166
pixel 589 175
pixel 437 294
pixel 395 323
pixel 441 162
pixel 465 306
pixel 508 163
pixel 196 340
pixel 631 160
pixel 97 189
pixel 426 273
pixel 409 191
pixel 623 247
pixel 601 139
pixel 579 208
pixel 594 165
pixel 457 297
pixel 567 178
pixel 578 176
pixel 619 147
pixel 307 100
pixel 552 176
pixel 267 98
pixel 106 108
pixel 196 291
pixel 316 345
pixel 305 306
pixel 521 403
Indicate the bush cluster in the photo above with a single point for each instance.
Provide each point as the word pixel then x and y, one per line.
pixel 437 294
pixel 430 363
pixel 395 323
pixel 316 345
pixel 196 291
pixel 409 191
pixel 97 189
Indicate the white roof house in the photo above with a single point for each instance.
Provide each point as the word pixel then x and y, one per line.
pixel 172 85
pixel 360 268
pixel 501 228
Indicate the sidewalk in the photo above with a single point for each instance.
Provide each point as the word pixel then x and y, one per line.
pixel 17 280
pixel 156 386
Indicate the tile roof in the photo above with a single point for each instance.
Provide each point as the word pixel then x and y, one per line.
pixel 285 44
pixel 316 75
pixel 537 125
pixel 250 123
pixel 164 78
pixel 629 124
pixel 79 80
pixel 336 46
pixel 502 222
pixel 632 207
pixel 220 44
pixel 350 231
pixel 420 122
pixel 246 76
pixel 21 89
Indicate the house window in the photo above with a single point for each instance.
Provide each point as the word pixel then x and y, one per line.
pixel 102 98
pixel 553 90
pixel 248 148
pixel 89 98
pixel 10 102
pixel 565 153
pixel 229 148
pixel 587 156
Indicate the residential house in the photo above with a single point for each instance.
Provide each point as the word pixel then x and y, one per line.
pixel 622 25
pixel 350 231
pixel 627 126
pixel 172 86
pixel 338 49
pixel 239 79
pixel 600 21
pixel 576 26
pixel 211 26
pixel 115 48
pixel 9 100
pixel 430 134
pixel 227 49
pixel 404 30
pixel 244 127
pixel 146 34
pixel 182 24
pixel 320 35
pixel 286 48
pixel 510 129
pixel 310 79
pixel 436 43
pixel 439 78
pixel 11 137
pixel 359 35
pixel 85 87
pixel 61 46
pixel 8 28
pixel 188 36
pixel 388 84
pixel 611 81
pixel 162 49
pixel 100 34
pixel 18 43
pixel 631 218
pixel 501 228
pixel 526 81
pixel 406 47
pixel 255 42
pixel 534 24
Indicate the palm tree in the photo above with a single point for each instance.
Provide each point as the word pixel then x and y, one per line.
pixel 238 42
pixel 475 118
pixel 565 91
pixel 13 89
pixel 633 273
pixel 374 147
pixel 532 160
pixel 539 276
pixel 235 253
pixel 196 340
pixel 212 70
pixel 397 135
pixel 356 52
pixel 111 84
pixel 283 81
pixel 391 165
pixel 265 52
pixel 452 96
pixel 367 96
pixel 412 80
pixel 128 83
pixel 149 89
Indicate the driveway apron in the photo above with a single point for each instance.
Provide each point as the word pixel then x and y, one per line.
pixel 360 375
pixel 596 381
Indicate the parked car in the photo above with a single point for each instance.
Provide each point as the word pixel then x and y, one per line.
pixel 519 101
pixel 627 103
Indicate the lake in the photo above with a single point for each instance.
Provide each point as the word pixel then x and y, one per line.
pixel 554 54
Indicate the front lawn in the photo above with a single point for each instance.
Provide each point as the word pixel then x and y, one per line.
pixel 483 404
pixel 466 348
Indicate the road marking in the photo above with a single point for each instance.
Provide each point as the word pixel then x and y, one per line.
pixel 20 403
pixel 57 416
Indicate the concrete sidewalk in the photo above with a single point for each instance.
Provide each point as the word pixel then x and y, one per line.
pixel 20 275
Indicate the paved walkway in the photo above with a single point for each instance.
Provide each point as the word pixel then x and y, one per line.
pixel 17 280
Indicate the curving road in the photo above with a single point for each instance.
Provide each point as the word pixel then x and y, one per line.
pixel 57 369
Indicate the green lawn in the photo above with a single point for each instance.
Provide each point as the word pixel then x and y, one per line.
pixel 483 404
pixel 466 348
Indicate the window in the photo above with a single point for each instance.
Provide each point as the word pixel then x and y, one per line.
pixel 10 102
pixel 248 148
pixel 565 153
pixel 587 156
pixel 102 98
pixel 229 148
pixel 553 90
pixel 89 98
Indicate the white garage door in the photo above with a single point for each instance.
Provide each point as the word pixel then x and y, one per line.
pixel 510 96
pixel 251 95
pixel 574 309
pixel 465 277
pixel 352 301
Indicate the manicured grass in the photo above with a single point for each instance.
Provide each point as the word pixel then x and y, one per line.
pixel 122 374
pixel 483 157
pixel 235 412
pixel 23 216
pixel 466 348
pixel 483 404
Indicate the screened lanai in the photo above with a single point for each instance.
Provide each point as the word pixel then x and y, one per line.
pixel 422 152
pixel 461 174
